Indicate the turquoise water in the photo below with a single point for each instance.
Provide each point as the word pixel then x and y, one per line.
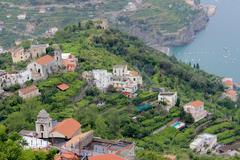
pixel 177 124
pixel 217 48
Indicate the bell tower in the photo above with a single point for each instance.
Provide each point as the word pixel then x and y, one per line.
pixel 58 57
pixel 43 124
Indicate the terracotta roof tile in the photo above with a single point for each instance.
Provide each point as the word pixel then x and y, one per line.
pixel 69 64
pixel 66 155
pixel 45 60
pixel 68 127
pixel 28 90
pixel 228 83
pixel 134 73
pixel 197 103
pixel 63 86
pixel 231 92
pixel 106 157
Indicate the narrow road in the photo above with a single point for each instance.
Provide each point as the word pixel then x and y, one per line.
pixel 81 95
pixel 159 130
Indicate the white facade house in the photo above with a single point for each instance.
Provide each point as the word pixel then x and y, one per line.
pixel 120 70
pixel 21 16
pixel 35 143
pixel 130 89
pixel 170 98
pixel 204 143
pixel 10 79
pixel 24 76
pixel 135 77
pixel 122 80
pixel 196 109
pixel 102 79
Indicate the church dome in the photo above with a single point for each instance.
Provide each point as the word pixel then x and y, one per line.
pixel 43 114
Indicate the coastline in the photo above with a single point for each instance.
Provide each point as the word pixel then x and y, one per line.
pixel 210 9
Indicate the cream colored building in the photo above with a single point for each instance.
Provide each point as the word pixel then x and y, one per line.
pixel 196 109
pixel 29 92
pixel 170 98
pixel 19 54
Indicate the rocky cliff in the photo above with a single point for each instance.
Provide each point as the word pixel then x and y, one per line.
pixel 158 40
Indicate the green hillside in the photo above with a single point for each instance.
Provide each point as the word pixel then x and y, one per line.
pixel 101 49
pixel 151 16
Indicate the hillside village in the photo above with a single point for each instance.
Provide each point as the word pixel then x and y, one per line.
pixel 73 139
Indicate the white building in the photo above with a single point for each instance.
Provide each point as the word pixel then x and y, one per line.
pixel 21 16
pixel 170 98
pixel 204 143
pixel 102 79
pixel 51 32
pixel 135 77
pixel 45 66
pixel 1 50
pixel 120 70
pixel 130 89
pixel 35 143
pixel 196 109
pixel 10 79
pixel 23 77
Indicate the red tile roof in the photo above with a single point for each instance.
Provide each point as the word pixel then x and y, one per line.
pixel 28 90
pixel 231 92
pixel 134 73
pixel 70 65
pixel 197 103
pixel 228 83
pixel 106 157
pixel 68 127
pixel 45 60
pixel 63 86
pixel 66 156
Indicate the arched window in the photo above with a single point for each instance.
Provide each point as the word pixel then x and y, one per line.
pixel 41 128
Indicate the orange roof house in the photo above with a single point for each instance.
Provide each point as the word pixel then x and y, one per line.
pixel 228 82
pixel 45 60
pixel 70 65
pixel 106 157
pixel 66 129
pixel 66 156
pixel 69 61
pixel 197 103
pixel 196 109
pixel 134 73
pixel 63 87
pixel 231 94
